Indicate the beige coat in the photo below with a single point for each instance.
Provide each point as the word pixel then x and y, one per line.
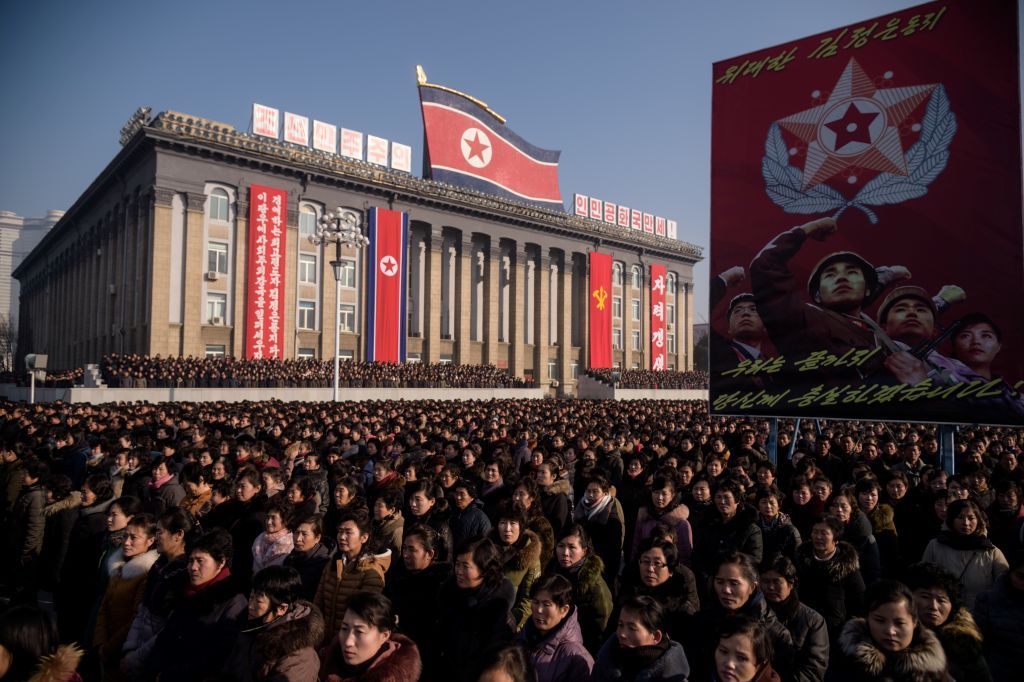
pixel 977 569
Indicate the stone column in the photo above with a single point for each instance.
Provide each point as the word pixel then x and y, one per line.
pixel 240 275
pixel 464 301
pixel 194 265
pixel 564 317
pixel 432 314
pixel 542 317
pixel 688 328
pixel 492 302
pixel 517 313
pixel 160 209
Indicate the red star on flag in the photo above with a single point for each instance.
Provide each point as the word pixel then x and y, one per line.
pixel 857 127
pixel 477 147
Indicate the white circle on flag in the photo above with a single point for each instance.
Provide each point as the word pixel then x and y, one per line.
pixel 476 147
pixel 389 266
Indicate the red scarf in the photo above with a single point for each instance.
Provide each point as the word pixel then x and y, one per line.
pixel 192 590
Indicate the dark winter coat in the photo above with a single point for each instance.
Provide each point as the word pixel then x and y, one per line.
pixel 884 529
pixel 607 532
pixel 520 563
pixel 199 634
pixel 340 581
pixel 397 661
pixel 833 587
pixel 244 531
pixel 167 496
pixel 810 639
pixel 557 506
pixel 164 587
pixel 281 651
pixel 678 595
pixel 961 640
pixel 676 516
pixel 859 533
pixel 703 634
pixel 613 663
pixel 558 655
pixel 541 527
pixel 79 586
pixel 12 477
pixel 25 531
pixel 999 614
pixel 417 600
pixel 591 596
pixel 740 533
pixel 310 565
pixel 473 624
pixel 438 521
pixel 468 523
pixel 781 538
pixel 859 658
pixel 60 520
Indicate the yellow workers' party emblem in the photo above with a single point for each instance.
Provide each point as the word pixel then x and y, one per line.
pixel 601 296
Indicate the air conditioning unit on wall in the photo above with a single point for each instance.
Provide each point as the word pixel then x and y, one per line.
pixel 217 321
pixel 212 276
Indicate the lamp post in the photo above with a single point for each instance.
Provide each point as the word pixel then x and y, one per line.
pixel 340 227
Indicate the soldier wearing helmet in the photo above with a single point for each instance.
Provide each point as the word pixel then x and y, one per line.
pixel 746 338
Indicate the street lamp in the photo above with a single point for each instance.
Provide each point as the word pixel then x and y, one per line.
pixel 341 227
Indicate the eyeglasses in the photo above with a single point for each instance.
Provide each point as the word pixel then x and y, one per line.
pixel 656 565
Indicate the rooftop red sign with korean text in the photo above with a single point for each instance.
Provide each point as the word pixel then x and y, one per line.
pixel 867 257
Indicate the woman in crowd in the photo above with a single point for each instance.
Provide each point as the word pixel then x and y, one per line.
pixel 803 506
pixel 730 527
pixel 744 652
pixel 493 490
pixel 347 497
pixel 554 494
pixel 508 664
pixel 883 526
pixel 891 643
pixel 388 523
pixel 633 491
pixel 30 649
pixel 124 591
pixel 937 599
pixel 278 642
pixel 575 560
pixel 552 635
pixel 641 649
pixel 735 592
pixel 527 495
pixel 857 532
pixel 999 613
pixel 60 513
pixel 664 506
pixel 368 648
pixel 249 521
pixel 963 549
pixel 662 577
pixel 520 558
pixel 829 570
pixel 309 554
pixel 805 625
pixel 1006 516
pixel 352 569
pixel 602 517
pixel 301 492
pixel 165 582
pixel 198 488
pixel 427 507
pixel 275 543
pixel 206 621
pixel 476 606
pixel 781 538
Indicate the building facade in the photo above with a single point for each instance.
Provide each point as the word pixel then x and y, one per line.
pixel 152 259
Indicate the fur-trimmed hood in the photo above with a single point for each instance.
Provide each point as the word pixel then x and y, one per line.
pixel 60 666
pixel 883 518
pixel 302 627
pixel 960 636
pixel 521 555
pixel 837 569
pixel 923 661
pixel 136 567
pixel 72 501
pixel 561 485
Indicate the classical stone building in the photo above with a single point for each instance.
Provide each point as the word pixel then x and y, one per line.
pixel 152 259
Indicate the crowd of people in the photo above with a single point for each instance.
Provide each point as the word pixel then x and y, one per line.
pixel 646 378
pixel 503 540
pixel 145 371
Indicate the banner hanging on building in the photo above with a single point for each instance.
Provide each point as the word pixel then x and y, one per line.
pixel 470 146
pixel 658 338
pixel 264 327
pixel 893 145
pixel 600 310
pixel 386 285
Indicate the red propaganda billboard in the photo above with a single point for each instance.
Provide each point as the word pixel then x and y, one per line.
pixel 386 285
pixel 866 239
pixel 658 339
pixel 600 310
pixel 264 328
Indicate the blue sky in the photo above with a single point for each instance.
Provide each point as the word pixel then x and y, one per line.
pixel 623 89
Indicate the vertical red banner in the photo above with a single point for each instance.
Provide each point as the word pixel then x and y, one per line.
pixel 264 328
pixel 600 310
pixel 385 312
pixel 658 317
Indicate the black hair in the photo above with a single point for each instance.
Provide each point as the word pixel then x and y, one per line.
pixel 217 543
pixel 36 468
pixel 59 485
pixel 147 522
pixel 315 521
pixel 360 517
pixel 305 485
pixel 27 633
pixel 222 488
pixel 763 492
pixel 429 537
pixel 280 584
pixel 760 640
pixel 128 504
pixel 556 585
pixel 662 481
pixel 746 565
pixel 784 566
pixel 728 485
pixel 667 548
pixel 467 485
pixel 512 660
pixel 280 505
pixel 249 474
pixel 579 531
pixel 193 472
pixel 486 557
pixel 889 592
pixel 375 609
pixel 834 524
pixel 177 520
pixel 392 497
pixel 925 575
pixel 651 613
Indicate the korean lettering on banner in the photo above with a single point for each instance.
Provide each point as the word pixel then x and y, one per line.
pixel 296 129
pixel 595 208
pixel 659 226
pixel 265 121
pixel 401 157
pixel 352 144
pixel 581 202
pixel 376 150
pixel 649 223
pixel 672 228
pixel 636 219
pixel 658 317
pixel 265 291
pixel 903 178
pixel 623 218
pixel 609 212
pixel 325 137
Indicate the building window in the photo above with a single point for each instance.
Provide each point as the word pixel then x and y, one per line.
pixel 617 338
pixel 307 221
pixel 636 365
pixel 216 308
pixel 671 284
pixel 446 359
pixel 636 339
pixel 306 353
pixel 347 315
pixel 672 343
pixel 635 306
pixel 552 369
pixel 307 315
pixel 348 273
pixel 218 205
pixel 671 367
pixel 217 257
pixel 307 268
pixel 635 277
pixel 617 275
pixel 617 307
pixel 345 356
pixel 413 358
pixel 575 367
pixel 670 315
pixel 214 350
